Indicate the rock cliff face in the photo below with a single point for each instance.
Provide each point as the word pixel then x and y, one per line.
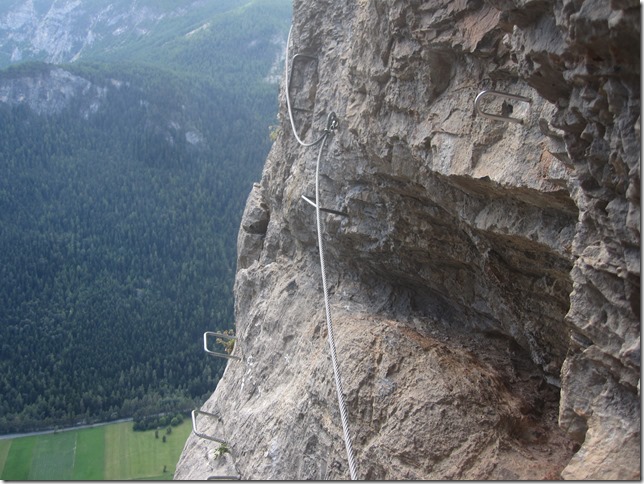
pixel 484 282
pixel 50 91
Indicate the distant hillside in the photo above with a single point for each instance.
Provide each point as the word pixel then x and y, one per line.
pixel 60 31
pixel 124 176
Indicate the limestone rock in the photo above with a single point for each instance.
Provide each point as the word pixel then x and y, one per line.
pixel 50 91
pixel 485 281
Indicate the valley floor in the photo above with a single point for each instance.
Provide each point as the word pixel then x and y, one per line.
pixel 103 452
pixel 53 431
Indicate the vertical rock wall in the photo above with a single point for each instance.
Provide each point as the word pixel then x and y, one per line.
pixel 485 279
pixel 600 117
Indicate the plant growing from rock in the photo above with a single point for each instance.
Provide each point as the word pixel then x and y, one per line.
pixel 228 344
pixel 221 450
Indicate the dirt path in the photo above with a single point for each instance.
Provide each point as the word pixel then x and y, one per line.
pixel 77 427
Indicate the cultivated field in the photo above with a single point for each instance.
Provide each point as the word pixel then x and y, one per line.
pixel 110 452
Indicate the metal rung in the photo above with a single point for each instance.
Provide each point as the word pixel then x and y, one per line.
pixel 329 210
pixel 290 76
pixel 199 434
pixel 498 117
pixel 223 478
pixel 298 56
pixel 214 353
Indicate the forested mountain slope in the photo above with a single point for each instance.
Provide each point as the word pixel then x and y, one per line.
pixel 123 179
pixel 67 30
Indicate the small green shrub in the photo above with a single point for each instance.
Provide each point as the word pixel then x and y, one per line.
pixel 228 344
pixel 221 450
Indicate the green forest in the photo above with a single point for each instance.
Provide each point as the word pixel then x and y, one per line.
pixel 118 225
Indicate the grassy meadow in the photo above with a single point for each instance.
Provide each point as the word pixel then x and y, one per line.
pixel 110 452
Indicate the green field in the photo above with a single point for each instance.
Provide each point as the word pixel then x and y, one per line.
pixel 110 452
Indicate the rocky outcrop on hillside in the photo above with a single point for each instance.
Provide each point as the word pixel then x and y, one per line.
pixel 60 31
pixel 485 277
pixel 50 90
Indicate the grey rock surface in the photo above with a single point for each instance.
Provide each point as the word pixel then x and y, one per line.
pixel 485 283
pixel 51 91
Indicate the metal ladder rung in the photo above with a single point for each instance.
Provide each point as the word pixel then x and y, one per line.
pixel 290 76
pixel 328 210
pixel 298 56
pixel 498 117
pixel 223 478
pixel 202 435
pixel 214 353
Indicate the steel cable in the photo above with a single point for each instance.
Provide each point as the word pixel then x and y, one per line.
pixel 329 323
pixel 331 125
pixel 288 100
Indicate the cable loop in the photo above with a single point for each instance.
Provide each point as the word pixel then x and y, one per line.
pixel 288 100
